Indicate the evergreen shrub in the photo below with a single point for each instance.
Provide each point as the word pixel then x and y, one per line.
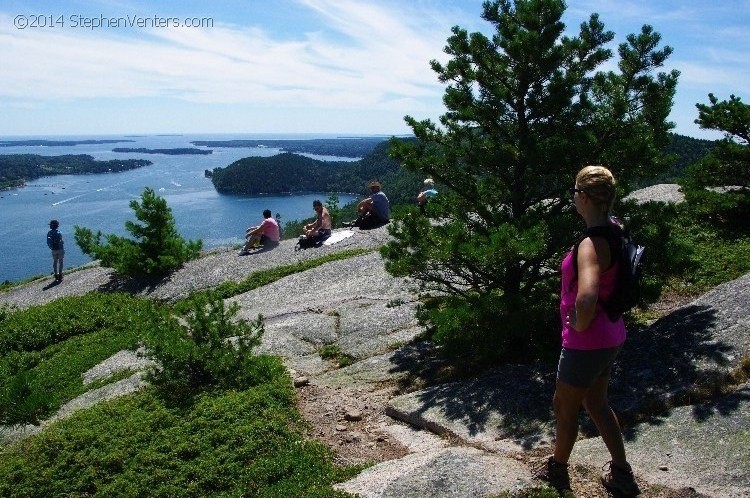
pixel 212 351
pixel 157 249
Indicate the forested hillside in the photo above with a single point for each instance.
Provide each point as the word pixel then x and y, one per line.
pixel 687 150
pixel 15 169
pixel 291 173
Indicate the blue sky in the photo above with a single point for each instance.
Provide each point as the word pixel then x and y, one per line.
pixel 299 66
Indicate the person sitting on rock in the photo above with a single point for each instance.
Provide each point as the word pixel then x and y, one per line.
pixel 320 229
pixel 266 234
pixel 374 211
pixel 428 190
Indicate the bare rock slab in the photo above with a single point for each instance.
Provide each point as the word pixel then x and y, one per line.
pixel 696 345
pixel 664 192
pixel 121 361
pixel 388 368
pixel 298 334
pixel 353 303
pixel 706 447
pixel 448 472
pixel 367 326
pixel 45 290
pixel 507 411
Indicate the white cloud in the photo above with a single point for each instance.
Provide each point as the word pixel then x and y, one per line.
pixel 346 58
pixel 714 78
pixel 368 56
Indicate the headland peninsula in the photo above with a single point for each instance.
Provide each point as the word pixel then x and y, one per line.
pixel 17 169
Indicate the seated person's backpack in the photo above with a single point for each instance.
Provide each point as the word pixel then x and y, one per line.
pixel 306 242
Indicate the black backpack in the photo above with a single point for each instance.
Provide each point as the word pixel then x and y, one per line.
pixel 306 242
pixel 627 291
pixel 53 240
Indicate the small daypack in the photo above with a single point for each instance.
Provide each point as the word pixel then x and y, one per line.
pixel 627 292
pixel 54 239
pixel 305 242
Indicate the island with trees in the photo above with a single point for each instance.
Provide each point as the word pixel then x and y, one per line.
pixel 341 147
pixel 293 174
pixel 17 169
pixel 181 151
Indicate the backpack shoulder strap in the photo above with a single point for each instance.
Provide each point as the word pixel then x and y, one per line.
pixel 607 232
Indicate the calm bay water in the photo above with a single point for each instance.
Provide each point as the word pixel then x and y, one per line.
pixel 101 202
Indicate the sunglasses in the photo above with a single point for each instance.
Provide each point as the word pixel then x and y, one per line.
pixel 573 190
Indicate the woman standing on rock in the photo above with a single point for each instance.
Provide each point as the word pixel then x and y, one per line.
pixel 590 340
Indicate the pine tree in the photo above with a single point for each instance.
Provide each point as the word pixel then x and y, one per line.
pixel 157 249
pixel 725 169
pixel 526 109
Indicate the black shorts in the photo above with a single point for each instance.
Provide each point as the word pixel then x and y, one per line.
pixel 265 241
pixel 581 368
pixel 323 234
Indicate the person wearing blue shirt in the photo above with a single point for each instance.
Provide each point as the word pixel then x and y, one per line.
pixel 427 191
pixel 55 243
pixel 374 211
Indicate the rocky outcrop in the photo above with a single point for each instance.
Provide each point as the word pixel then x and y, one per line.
pixel 664 192
pixel 679 435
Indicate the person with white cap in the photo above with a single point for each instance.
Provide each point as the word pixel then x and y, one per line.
pixel 428 190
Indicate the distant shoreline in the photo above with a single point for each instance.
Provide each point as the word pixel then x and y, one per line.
pixel 335 147
pixel 57 143
pixel 171 152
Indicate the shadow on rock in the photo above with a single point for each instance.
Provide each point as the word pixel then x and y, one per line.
pixel 259 250
pixel 132 285
pixel 513 402
pixel 670 363
pixel 667 363
pixel 723 406
pixel 52 284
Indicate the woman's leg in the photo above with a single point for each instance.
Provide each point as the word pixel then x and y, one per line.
pixel 567 404
pixel 597 406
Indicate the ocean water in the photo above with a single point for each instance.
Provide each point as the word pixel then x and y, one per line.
pixel 101 201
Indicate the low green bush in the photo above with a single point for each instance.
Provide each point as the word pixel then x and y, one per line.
pixel 36 328
pixel 229 443
pixel 717 256
pixel 34 384
pixel 471 336
pixel 45 349
pixel 688 252
pixel 233 431
pixel 333 352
